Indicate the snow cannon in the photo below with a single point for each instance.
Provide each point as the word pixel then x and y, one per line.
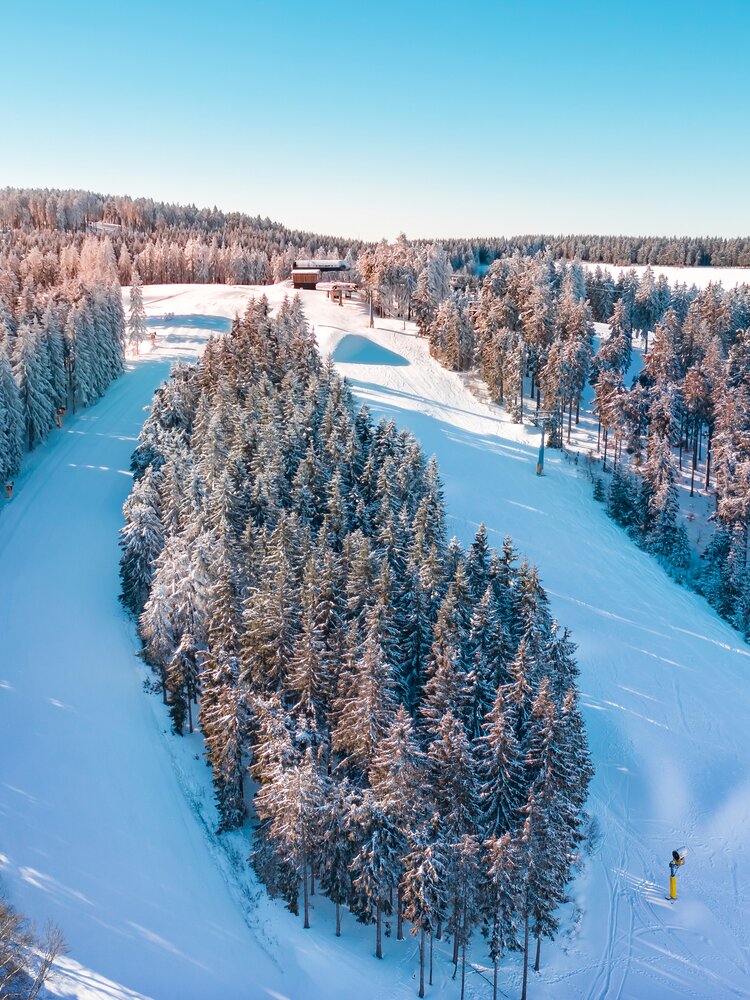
pixel 678 859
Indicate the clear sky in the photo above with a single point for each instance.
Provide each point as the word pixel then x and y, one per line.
pixel 468 118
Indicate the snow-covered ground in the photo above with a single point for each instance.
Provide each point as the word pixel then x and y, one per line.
pixel 729 277
pixel 105 818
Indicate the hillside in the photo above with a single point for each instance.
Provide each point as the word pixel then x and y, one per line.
pixel 101 837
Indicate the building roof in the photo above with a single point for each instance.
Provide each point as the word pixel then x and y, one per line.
pixel 306 270
pixel 320 265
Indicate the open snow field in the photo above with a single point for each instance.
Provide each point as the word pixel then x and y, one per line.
pixel 104 817
pixel 729 277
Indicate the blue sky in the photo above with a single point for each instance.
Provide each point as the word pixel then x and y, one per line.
pixel 475 118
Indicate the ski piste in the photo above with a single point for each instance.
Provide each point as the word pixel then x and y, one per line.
pixel 133 858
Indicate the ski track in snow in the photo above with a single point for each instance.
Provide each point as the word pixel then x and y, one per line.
pixel 105 819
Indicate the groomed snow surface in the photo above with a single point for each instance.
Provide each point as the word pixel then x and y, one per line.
pixel 106 819
pixel 701 277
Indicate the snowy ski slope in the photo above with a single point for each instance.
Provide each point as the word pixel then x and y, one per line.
pixel 100 810
pixel 729 277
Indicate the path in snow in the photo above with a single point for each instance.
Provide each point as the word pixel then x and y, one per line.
pixel 97 833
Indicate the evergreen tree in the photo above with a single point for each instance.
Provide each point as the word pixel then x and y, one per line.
pixel 423 877
pixel 11 421
pixel 137 329
pixel 337 846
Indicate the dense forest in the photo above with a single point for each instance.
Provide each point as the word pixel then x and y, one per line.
pixel 528 331
pixel 62 339
pixel 406 708
pixel 174 243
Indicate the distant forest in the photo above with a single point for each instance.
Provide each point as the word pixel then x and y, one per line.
pixel 197 239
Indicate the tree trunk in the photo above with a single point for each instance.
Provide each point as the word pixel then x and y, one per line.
pixel 399 916
pixel 312 878
pixel 439 932
pixel 190 710
pixel 456 936
pixel 307 901
pixel 525 956
pixel 338 919
pixel 463 967
pixel 421 963
pixel 708 458
pixel 604 464
pixel 430 956
pixel 578 411
pixel 570 419
pixel 538 952
pixel 494 978
pixel 695 459
pixel 379 932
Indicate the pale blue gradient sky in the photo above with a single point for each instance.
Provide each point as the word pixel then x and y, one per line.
pixel 474 118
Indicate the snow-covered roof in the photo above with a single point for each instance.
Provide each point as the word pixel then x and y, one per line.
pixel 321 265
pixel 105 227
pixel 306 270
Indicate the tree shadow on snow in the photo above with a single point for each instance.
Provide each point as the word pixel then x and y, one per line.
pixel 219 324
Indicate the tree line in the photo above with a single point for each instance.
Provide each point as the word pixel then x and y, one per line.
pixel 167 244
pixel 178 243
pixel 61 345
pixel 406 708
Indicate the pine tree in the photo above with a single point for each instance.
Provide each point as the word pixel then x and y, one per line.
pixel 181 681
pixel 501 898
pixel 376 866
pixel 423 876
pixel 32 373
pixel 11 421
pixel 337 846
pixel 141 541
pixel 366 704
pixel 397 778
pixel 465 881
pixel 500 769
pixel 453 778
pixel 137 328
pixel 290 802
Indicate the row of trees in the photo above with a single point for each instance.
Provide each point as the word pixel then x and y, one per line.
pixel 407 708
pixel 48 257
pixel 60 347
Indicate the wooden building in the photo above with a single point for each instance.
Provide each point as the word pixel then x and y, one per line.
pixel 305 277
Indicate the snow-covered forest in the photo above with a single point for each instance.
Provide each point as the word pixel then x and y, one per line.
pixel 176 243
pixel 62 338
pixel 530 328
pixel 407 709
pixel 394 715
